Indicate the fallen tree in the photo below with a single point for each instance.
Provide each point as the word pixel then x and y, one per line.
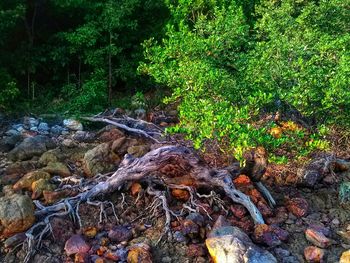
pixel 169 166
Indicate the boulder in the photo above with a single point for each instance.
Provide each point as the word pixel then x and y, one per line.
pixel 9 142
pixel 228 244
pixel 100 159
pixel 16 214
pixel 57 168
pixel 28 179
pixel 31 146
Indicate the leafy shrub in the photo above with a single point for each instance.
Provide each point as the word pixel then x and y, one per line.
pixel 8 90
pixel 224 76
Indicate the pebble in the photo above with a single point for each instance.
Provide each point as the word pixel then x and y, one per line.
pixel 313 254
pixel 317 238
pixel 76 244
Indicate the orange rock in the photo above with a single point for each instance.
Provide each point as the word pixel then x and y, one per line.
pixel 345 257
pixel 242 180
pixel 139 253
pixel 313 254
pixel 101 250
pixel 317 238
pixel 135 189
pixel 180 194
pixel 276 132
pixel 81 258
pixel 90 232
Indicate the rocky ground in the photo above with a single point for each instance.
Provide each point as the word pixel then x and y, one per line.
pixel 42 162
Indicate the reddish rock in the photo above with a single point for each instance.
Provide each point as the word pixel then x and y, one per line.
pixel 135 189
pixel 264 234
pixel 195 250
pixel 81 258
pixel 297 206
pixel 317 238
pixel 319 228
pixel 54 196
pixel 242 180
pixel 238 211
pixel 180 194
pixel 76 244
pixel 314 254
pixel 246 224
pixel 140 253
pixel 119 234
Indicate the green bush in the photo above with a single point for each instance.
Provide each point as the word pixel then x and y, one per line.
pixel 225 73
pixel 8 90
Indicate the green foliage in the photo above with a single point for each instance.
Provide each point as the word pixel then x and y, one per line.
pixel 9 90
pixel 224 76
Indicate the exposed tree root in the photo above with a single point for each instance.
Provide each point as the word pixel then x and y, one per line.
pixel 172 166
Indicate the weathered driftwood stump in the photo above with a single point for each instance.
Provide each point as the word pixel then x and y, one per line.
pixel 173 167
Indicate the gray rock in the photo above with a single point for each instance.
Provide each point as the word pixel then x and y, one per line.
pixel 229 244
pixel 12 132
pixel 30 122
pixel 9 142
pixel 18 127
pixel 43 127
pixel 56 129
pixel 72 124
pixel 32 146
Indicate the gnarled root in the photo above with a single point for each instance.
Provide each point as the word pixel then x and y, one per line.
pixel 173 166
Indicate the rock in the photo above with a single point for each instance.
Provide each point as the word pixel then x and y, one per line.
pixel 83 136
pixel 62 229
pixel 111 135
pixel 57 168
pixel 15 240
pixel 48 157
pixel 41 185
pixel 180 194
pixel 317 238
pixel 135 189
pixel 345 257
pixel 21 167
pixel 54 196
pixel 138 150
pixel 31 146
pixel 100 159
pixel 188 227
pixel 179 237
pixel 313 254
pixel 81 258
pixel 264 234
pixel 9 179
pixel 238 211
pixel 230 245
pixel 197 218
pixel 119 234
pixel 56 130
pixel 90 232
pixel 16 214
pixel 76 244
pixel 30 122
pixel 13 132
pixel 69 143
pixel 26 181
pixel 43 127
pixel 73 125
pixel 139 253
pixel 9 142
pixel 297 206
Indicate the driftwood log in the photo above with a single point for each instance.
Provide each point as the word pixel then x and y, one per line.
pixel 172 167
